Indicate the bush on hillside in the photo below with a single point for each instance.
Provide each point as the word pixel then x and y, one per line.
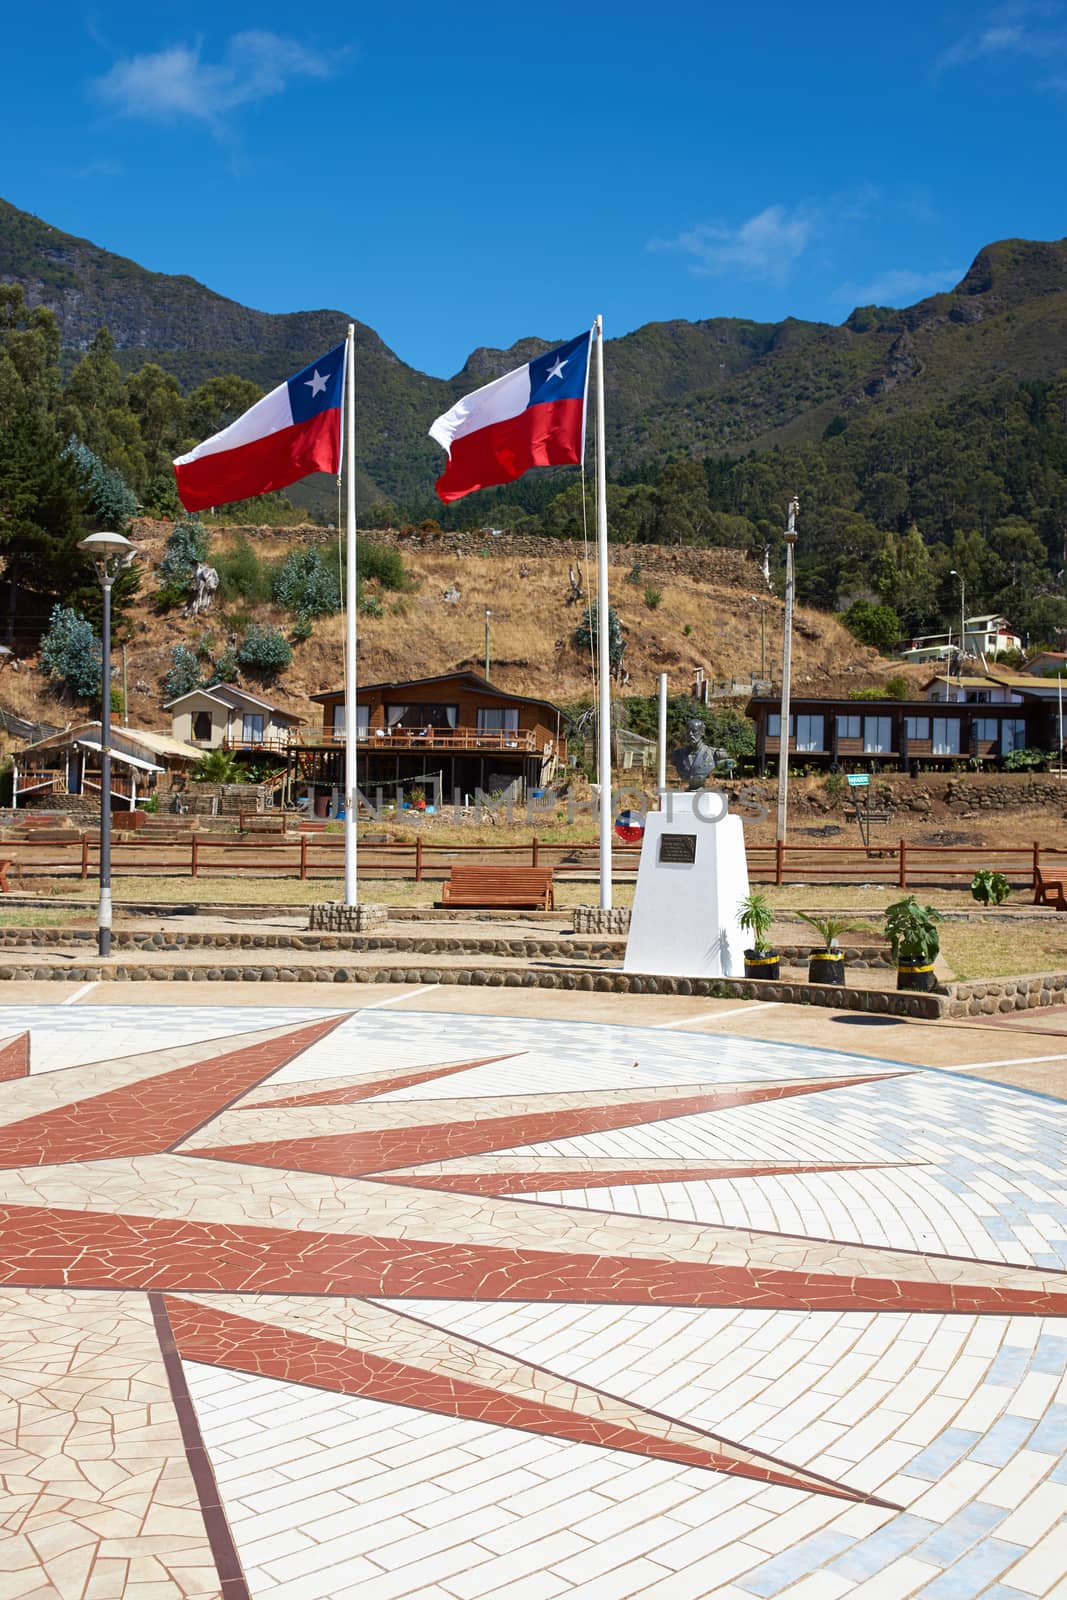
pixel 71 653
pixel 184 672
pixel 186 546
pixel 307 584
pixel 264 651
pixel 243 575
pixel 876 625
pixel 381 563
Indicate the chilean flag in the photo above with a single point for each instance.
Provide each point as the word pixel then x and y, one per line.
pixel 294 430
pixel 532 417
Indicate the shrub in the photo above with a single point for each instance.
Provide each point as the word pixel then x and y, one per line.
pixel 187 544
pixel 896 688
pixel 687 630
pixel 307 584
pixel 264 651
pixel 876 625
pixel 835 785
pixel 226 669
pixel 990 888
pixel 586 631
pixel 371 606
pixel 109 496
pixel 634 574
pixel 1028 760
pixel 72 653
pixel 300 632
pixel 242 573
pixel 652 598
pixel 381 563
pixel 217 766
pixel 184 672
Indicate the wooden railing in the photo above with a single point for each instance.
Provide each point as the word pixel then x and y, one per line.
pixel 512 740
pixel 321 855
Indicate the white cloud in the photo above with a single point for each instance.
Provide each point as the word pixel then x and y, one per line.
pixel 1010 32
pixel 175 83
pixel 898 286
pixel 765 246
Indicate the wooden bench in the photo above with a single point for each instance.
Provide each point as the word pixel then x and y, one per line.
pixel 1050 891
pixel 487 888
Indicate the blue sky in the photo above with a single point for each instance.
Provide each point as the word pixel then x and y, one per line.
pixel 466 175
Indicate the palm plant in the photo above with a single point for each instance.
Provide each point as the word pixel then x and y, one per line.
pixel 829 929
pixel 756 917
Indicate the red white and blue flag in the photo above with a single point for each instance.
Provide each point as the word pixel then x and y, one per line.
pixel 532 417
pixel 294 430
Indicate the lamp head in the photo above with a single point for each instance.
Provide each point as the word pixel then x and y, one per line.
pixel 108 551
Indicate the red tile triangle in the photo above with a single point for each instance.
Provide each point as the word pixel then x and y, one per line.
pixel 44 1246
pixel 536 1179
pixel 353 1154
pixel 219 1338
pixel 151 1115
pixel 15 1058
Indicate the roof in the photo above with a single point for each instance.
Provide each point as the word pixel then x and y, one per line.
pixel 474 679
pixel 227 694
pixel 978 682
pixel 135 742
pixel 920 708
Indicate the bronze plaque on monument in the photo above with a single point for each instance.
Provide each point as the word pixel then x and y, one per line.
pixel 678 849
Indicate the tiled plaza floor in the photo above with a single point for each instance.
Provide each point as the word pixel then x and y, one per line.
pixel 311 1305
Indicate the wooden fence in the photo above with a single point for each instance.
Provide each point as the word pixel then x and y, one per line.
pixel 199 855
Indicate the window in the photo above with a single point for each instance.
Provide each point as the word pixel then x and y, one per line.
pixel 495 719
pixel 917 727
pixel 848 727
pixel 986 729
pixel 1012 735
pixel 877 735
pixel 774 725
pixel 946 736
pixel 809 731
pixel 980 697
pixel 252 727
pixel 422 717
pixel 202 727
pixel 362 721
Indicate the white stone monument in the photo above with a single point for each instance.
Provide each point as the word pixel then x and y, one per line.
pixel 692 876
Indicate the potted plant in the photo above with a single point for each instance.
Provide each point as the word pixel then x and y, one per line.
pixel 912 933
pixel 828 964
pixel 417 798
pixel 990 888
pixel 756 914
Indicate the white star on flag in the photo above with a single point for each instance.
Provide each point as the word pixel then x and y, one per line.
pixel 315 383
pixel 556 370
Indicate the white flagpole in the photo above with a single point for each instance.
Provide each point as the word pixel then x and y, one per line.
pixel 351 785
pixel 661 782
pixel 603 645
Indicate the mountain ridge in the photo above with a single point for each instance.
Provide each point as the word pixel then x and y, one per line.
pixel 717 386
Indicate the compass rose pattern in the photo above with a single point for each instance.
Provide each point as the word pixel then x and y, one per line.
pixel 328 1307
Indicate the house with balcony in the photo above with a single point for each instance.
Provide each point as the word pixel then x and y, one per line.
pixel 67 762
pixel 451 735
pixel 987 635
pixel 222 716
pixel 881 734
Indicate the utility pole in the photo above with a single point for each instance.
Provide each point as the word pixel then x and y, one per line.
pixel 125 693
pixel 790 537
pixel 488 614
pixel 963 619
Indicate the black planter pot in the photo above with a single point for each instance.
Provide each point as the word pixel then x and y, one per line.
pixel 913 972
pixel 762 964
pixel 826 966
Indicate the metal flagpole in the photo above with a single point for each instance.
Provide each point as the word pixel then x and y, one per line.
pixel 661 779
pixel 351 785
pixel 1059 697
pixel 790 537
pixel 603 644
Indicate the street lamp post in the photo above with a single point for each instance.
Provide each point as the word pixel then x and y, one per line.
pixel 109 553
pixel 488 615
pixel 963 617
pixel 790 537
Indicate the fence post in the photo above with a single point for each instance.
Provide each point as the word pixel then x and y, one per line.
pixel 902 880
pixel 533 851
pixel 418 859
pixel 779 862
pixel 85 855
pixel 194 865
pixel 1036 864
pixel 303 855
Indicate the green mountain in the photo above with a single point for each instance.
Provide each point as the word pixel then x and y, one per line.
pixel 711 388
